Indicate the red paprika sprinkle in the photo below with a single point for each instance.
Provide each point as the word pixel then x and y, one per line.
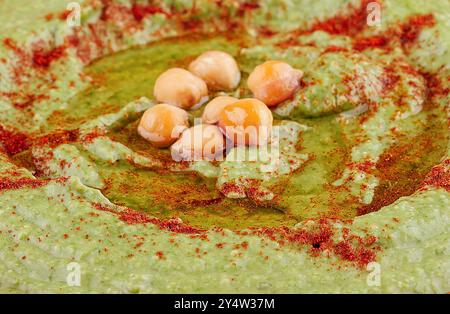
pixel 132 217
pixel 42 58
pixel 333 48
pixel 364 43
pixel 57 138
pixel 140 11
pixel 14 142
pixel 347 23
pixel 321 239
pixel 411 30
pixel 439 177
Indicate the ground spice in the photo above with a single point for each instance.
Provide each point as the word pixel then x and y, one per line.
pixel 43 58
pixel 140 11
pixel 333 48
pixel 9 43
pixel 49 17
pixel 407 32
pixel 8 184
pixel 434 85
pixel 14 142
pixel 90 137
pixel 247 6
pixel 389 79
pixel 19 70
pixel 439 177
pixel 365 166
pixel 132 217
pixel 266 31
pixel 377 41
pixel 29 101
pixel 64 15
pixel 411 30
pixel 321 240
pixel 230 187
pixel 349 23
pixel 288 43
pixel 209 202
pixel 57 138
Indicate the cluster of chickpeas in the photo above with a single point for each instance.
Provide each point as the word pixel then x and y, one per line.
pixel 225 119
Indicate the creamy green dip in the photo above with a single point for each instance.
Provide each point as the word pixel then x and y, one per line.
pixel 356 148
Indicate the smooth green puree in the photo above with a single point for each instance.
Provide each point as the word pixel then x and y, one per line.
pixel 123 77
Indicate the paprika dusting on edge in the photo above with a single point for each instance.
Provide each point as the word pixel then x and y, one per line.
pixel 345 24
pixel 352 248
pixel 42 58
pixel 131 216
pixel 439 177
pixel 14 142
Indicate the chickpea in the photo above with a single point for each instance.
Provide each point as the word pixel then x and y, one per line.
pixel 273 82
pixel 218 69
pixel 246 122
pixel 203 141
pixel 214 108
pixel 163 124
pixel 180 88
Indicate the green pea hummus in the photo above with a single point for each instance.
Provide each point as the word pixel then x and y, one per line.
pixel 354 197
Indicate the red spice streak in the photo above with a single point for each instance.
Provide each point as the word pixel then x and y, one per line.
pixel 208 202
pixel 439 177
pixel 266 32
pixel 288 43
pixel 246 7
pixel 410 30
pixel 49 17
pixel 347 24
pixel 350 23
pixel 90 137
pixel 231 188
pixel 133 217
pixel 140 11
pixel 44 58
pixel 8 42
pixel 113 12
pixel 352 248
pixel 8 184
pixel 408 33
pixel 364 43
pixel 366 166
pixel 14 142
pixel 29 101
pixel 389 79
pixel 58 138
pixel 333 48
pixel 434 85
pixel 64 14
